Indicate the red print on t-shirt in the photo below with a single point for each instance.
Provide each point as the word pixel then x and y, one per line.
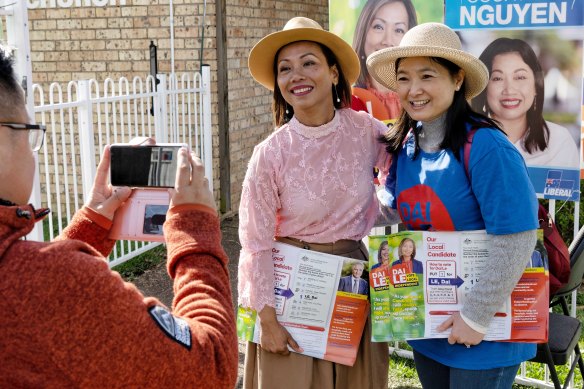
pixel 421 209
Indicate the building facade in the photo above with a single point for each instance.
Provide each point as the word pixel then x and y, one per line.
pixel 99 39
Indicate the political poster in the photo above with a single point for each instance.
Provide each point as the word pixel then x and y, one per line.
pixel 533 51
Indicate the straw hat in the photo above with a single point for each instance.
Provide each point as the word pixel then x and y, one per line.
pixel 429 40
pixel 261 57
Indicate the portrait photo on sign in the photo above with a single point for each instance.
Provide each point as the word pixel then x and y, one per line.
pixel 354 277
pixel 372 25
pixel 534 92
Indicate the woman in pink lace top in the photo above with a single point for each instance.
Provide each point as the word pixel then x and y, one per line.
pixel 309 184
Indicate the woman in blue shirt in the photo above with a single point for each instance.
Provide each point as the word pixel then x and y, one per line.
pixel 432 189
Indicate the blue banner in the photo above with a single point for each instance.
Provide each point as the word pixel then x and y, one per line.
pixel 559 184
pixel 513 14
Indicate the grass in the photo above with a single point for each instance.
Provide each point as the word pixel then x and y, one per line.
pixel 402 374
pixel 536 370
pixel 402 371
pixel 135 267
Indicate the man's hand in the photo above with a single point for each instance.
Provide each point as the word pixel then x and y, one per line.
pixel 104 199
pixel 461 332
pixel 191 186
pixel 274 337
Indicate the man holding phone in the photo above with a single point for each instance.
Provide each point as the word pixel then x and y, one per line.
pixel 67 320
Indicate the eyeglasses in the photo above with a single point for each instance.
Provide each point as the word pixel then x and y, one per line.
pixel 36 133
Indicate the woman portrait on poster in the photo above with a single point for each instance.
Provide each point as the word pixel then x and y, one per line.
pixel 430 187
pixel 407 257
pixel 382 255
pixel 381 24
pixel 309 185
pixel 514 97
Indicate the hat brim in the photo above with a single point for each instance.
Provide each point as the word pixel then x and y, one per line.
pixel 381 65
pixel 261 57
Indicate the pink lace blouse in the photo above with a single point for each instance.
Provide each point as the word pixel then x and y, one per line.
pixel 309 183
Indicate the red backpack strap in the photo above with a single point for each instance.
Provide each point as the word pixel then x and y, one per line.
pixel 557 251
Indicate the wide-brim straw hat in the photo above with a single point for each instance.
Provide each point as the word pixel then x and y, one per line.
pixel 261 57
pixel 429 40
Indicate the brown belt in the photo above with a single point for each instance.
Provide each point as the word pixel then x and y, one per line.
pixel 338 248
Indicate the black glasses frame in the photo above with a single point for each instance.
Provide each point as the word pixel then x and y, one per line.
pixel 24 126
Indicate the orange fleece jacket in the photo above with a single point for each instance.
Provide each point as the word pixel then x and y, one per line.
pixel 69 321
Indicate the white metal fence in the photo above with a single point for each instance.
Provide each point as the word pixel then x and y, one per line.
pixel 86 116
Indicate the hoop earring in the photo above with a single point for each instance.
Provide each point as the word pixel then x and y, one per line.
pixel 337 94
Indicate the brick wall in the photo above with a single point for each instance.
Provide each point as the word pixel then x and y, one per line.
pixel 249 102
pixel 83 42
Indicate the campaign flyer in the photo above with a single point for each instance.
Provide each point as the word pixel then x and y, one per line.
pixel 419 278
pixel 321 299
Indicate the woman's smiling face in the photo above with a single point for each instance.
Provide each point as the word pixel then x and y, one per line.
pixel 407 249
pixel 385 253
pixel 387 27
pixel 511 87
pixel 426 88
pixel 305 78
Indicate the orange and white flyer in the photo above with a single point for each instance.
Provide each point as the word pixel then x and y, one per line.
pixel 321 299
pixel 419 278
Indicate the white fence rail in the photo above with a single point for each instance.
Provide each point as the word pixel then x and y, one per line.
pixel 86 116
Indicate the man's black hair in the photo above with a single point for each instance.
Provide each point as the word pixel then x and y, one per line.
pixel 12 101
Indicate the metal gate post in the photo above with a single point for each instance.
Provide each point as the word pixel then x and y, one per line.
pixel 87 143
pixel 207 142
pixel 160 110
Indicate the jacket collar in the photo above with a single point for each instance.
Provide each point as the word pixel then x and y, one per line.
pixel 17 221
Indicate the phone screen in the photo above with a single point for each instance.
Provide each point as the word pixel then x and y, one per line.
pixel 144 166
pixel 154 218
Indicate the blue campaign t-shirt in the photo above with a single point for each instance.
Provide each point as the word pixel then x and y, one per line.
pixel 432 192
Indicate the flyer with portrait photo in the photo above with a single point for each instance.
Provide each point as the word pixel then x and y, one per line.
pixel 321 299
pixel 419 278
